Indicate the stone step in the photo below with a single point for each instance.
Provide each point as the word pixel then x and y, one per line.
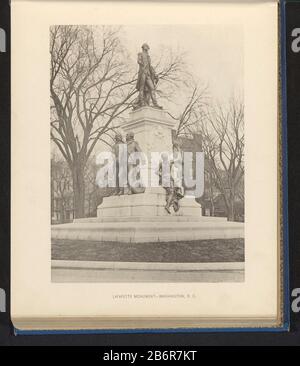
pixel 145 204
pixel 168 218
pixel 147 231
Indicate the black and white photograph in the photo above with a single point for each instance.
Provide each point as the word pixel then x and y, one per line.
pixel 148 167
pixel 147 153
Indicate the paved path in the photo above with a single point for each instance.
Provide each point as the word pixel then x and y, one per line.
pixel 76 271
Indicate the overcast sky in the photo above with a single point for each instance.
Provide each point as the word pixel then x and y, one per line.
pixel 214 53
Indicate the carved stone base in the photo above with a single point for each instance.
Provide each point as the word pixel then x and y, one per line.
pixel 145 205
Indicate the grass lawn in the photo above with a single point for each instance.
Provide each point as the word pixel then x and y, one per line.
pixel 218 250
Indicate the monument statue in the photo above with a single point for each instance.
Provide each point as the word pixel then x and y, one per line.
pixel 174 191
pixel 115 150
pixel 132 147
pixel 147 80
pixel 177 151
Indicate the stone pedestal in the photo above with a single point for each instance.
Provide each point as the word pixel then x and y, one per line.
pixel 145 204
pixel 152 129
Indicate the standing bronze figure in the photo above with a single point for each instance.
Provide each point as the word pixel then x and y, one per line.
pixel 174 193
pixel 147 80
pixel 115 150
pixel 132 147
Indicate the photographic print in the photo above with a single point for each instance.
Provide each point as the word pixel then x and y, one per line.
pixel 147 153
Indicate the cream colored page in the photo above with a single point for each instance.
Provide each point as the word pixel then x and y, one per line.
pixel 33 294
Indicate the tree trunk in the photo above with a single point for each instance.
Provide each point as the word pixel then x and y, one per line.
pixel 78 189
pixel 212 206
pixel 61 211
pixel 231 209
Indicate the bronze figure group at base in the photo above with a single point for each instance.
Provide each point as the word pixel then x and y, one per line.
pixel 174 191
pixel 132 147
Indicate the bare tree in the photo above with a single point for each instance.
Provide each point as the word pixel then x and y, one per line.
pixel 194 107
pixel 222 138
pixel 223 144
pixel 91 86
pixel 61 188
